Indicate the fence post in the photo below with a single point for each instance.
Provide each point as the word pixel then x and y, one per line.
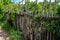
pixel 55 8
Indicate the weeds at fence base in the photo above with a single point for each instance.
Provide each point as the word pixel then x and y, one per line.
pixel 12 31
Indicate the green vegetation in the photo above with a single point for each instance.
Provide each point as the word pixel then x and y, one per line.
pixel 14 34
pixel 53 26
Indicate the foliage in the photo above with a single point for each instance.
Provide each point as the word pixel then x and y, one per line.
pixel 58 10
pixel 1 11
pixel 53 26
pixel 12 31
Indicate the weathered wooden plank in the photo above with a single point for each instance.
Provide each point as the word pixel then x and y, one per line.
pixel 49 18
pixel 55 8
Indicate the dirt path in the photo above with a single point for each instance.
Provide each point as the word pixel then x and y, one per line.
pixel 3 35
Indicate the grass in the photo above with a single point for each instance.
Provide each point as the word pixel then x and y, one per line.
pixel 12 31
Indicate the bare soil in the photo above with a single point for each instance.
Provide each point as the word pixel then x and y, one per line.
pixel 3 35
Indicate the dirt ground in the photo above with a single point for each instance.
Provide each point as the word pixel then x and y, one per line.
pixel 3 35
